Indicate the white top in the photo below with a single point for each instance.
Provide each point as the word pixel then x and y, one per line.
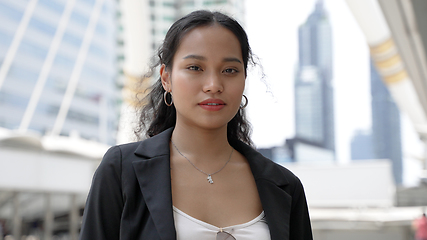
pixel 190 228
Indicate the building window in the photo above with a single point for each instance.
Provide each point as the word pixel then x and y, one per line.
pixel 169 18
pixel 53 5
pixel 79 19
pixel 72 39
pixel 169 4
pixel 42 26
pixel 30 48
pixel 214 2
pixel 10 12
pixel 189 4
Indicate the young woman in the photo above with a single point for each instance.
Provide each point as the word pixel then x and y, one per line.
pixel 196 176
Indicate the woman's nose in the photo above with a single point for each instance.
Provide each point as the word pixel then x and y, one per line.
pixel 213 83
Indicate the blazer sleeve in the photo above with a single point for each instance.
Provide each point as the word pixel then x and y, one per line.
pixel 104 205
pixel 300 225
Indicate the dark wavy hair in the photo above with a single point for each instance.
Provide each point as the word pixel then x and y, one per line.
pixel 155 116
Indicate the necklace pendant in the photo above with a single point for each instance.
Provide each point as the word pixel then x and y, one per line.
pixel 210 179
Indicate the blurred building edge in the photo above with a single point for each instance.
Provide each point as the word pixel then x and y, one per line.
pixel 45 181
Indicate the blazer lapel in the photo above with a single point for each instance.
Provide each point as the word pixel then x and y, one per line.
pixel 270 182
pixel 277 208
pixel 153 174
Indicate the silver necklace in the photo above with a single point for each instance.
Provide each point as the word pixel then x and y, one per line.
pixel 209 178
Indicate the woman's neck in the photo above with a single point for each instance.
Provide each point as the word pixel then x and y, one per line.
pixel 196 142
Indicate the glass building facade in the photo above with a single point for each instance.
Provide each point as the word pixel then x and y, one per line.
pixel 50 47
pixel 314 107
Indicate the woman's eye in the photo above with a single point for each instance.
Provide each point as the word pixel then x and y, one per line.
pixel 194 68
pixel 231 70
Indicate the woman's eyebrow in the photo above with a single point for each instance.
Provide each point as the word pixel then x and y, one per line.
pixel 231 59
pixel 198 57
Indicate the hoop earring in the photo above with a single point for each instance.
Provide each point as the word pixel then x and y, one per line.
pixel 164 98
pixel 246 102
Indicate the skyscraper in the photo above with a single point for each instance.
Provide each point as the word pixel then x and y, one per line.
pixel 385 125
pixel 314 108
pixel 58 67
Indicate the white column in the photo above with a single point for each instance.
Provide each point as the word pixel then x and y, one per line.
pixel 1 232
pixel 74 218
pixel 137 40
pixel 48 217
pixel 17 218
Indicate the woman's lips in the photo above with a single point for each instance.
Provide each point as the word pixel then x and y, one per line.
pixel 212 104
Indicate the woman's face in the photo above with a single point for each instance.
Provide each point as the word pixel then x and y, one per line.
pixel 207 78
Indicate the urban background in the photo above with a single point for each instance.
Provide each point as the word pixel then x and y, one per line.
pixel 339 97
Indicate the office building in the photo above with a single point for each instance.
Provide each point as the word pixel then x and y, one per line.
pixel 314 108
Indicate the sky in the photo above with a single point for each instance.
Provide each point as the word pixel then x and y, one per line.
pixel 272 28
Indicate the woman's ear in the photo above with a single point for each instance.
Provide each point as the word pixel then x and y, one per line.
pixel 165 76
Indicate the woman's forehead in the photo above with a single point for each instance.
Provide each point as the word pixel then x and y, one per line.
pixel 211 39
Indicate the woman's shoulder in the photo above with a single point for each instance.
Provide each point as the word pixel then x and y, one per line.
pixel 121 149
pixel 128 147
pixel 118 157
pixel 147 148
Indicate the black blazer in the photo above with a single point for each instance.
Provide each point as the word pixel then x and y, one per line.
pixel 130 197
